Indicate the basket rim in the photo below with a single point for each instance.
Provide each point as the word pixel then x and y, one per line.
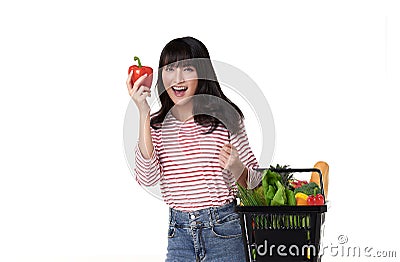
pixel 281 209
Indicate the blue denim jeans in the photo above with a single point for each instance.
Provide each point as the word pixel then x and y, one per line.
pixel 210 234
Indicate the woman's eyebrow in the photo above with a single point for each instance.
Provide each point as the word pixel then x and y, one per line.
pixel 170 65
pixel 179 64
pixel 175 64
pixel 187 64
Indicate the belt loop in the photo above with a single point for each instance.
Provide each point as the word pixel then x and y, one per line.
pixel 215 214
pixel 172 217
pixel 210 216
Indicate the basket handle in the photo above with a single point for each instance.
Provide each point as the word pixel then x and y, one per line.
pixel 299 170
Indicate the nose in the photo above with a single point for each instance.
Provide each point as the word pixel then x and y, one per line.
pixel 179 76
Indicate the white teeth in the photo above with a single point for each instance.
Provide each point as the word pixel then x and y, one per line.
pixel 179 88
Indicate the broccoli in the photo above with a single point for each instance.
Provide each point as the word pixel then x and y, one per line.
pixel 308 189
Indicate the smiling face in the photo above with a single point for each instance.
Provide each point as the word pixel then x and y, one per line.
pixel 180 82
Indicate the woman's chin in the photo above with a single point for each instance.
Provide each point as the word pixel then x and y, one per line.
pixel 179 101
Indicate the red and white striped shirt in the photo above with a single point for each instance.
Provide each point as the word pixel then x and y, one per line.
pixel 185 163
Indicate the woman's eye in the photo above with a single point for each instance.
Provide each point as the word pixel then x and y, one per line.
pixel 189 69
pixel 169 69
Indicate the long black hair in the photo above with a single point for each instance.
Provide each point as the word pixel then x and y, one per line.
pixel 190 51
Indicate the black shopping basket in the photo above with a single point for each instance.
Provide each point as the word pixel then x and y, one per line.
pixel 283 233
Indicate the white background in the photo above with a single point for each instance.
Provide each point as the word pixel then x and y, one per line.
pixel 330 72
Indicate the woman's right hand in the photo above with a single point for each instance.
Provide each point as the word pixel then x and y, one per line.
pixel 139 93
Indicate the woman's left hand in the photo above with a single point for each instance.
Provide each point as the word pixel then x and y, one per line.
pixel 229 159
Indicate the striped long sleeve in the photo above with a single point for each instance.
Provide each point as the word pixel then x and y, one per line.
pixel 241 142
pixel 185 163
pixel 148 171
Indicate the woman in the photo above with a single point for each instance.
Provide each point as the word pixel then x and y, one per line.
pixel 196 147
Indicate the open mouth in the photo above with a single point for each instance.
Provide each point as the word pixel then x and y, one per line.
pixel 179 90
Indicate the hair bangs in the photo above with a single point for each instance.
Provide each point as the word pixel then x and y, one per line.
pixel 177 55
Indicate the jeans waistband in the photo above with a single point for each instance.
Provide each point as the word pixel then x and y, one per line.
pixel 201 217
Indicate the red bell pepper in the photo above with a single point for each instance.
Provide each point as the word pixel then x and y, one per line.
pixel 139 70
pixel 316 199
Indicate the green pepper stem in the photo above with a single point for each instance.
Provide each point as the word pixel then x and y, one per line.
pixel 138 61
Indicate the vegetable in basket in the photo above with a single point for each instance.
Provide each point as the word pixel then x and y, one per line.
pixel 269 185
pixel 308 189
pixel 291 199
pixel 301 199
pixel 295 183
pixel 270 195
pixel 315 199
pixel 274 190
pixel 280 196
pixel 259 196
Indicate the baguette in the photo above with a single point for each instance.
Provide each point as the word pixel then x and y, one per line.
pixel 324 167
